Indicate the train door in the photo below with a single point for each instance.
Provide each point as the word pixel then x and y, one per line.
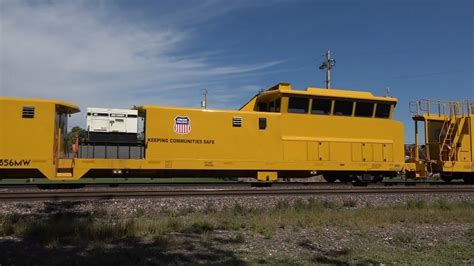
pixel 61 145
pixel 142 132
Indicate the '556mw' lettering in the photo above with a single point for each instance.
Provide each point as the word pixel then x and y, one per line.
pixel 10 162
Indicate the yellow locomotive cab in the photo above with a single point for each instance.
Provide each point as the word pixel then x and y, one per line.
pixel 32 136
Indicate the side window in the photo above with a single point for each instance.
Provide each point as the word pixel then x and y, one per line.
pixel 364 109
pixel 277 105
pixel 298 105
pixel 262 107
pixel 271 106
pixel 343 108
pixel 274 106
pixel 383 110
pixel 321 106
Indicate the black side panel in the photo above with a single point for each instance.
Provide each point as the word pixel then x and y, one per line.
pixel 112 137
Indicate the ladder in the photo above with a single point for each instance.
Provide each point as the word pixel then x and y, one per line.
pixel 457 135
pixel 454 126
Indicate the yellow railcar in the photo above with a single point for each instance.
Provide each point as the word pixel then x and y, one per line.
pixel 448 140
pixel 279 133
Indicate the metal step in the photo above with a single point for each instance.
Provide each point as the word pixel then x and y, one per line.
pixel 64 172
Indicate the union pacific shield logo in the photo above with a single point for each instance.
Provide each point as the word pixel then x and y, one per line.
pixel 182 124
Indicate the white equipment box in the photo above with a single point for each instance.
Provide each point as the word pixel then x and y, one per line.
pixel 112 120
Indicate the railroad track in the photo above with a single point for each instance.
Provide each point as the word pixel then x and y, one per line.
pixel 120 194
pixel 235 184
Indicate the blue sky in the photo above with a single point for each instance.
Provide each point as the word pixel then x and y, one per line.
pixel 125 53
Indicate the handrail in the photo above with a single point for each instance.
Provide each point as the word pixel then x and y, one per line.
pixel 442 108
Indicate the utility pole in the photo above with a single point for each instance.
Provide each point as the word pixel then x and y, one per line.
pixel 328 65
pixel 204 100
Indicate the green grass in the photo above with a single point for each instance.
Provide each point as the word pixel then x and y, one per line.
pixel 449 254
pixel 302 214
pixel 103 229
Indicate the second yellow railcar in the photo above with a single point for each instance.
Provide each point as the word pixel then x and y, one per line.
pixel 448 143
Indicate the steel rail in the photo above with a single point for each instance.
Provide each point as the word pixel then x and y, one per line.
pixel 240 184
pixel 107 194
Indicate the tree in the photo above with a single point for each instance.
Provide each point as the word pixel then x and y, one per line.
pixel 75 131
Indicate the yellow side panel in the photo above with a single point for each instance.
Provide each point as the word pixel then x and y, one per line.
pixel 377 152
pixel 471 131
pixel 367 152
pixel 212 136
pixel 464 153
pixel 356 152
pixel 463 156
pixel 3 128
pixel 294 151
pixel 312 151
pixel 340 151
pixel 329 130
pixel 27 142
pixel 323 151
pixel 387 152
pixel 26 138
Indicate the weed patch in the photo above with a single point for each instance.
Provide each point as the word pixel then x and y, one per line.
pixel 140 212
pixel 199 227
pixel 402 239
pixel 416 204
pixel 102 227
pixel 238 239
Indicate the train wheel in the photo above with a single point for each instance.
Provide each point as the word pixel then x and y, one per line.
pixel 359 182
pixel 330 178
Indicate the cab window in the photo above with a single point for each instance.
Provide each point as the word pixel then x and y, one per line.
pixel 278 105
pixel 275 106
pixel 342 107
pixel 382 110
pixel 364 109
pixel 321 106
pixel 262 107
pixel 298 105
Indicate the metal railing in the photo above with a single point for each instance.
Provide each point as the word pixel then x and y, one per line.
pixel 442 108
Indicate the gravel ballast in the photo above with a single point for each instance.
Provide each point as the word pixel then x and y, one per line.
pixel 128 207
